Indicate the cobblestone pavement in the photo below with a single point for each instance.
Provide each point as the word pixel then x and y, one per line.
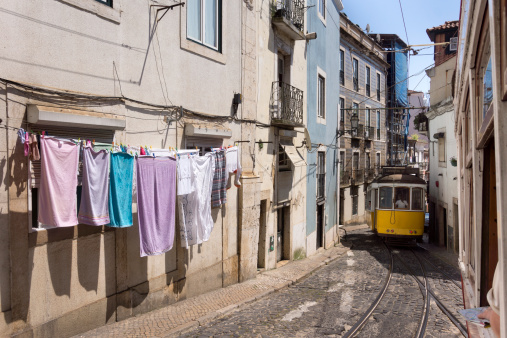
pixel 302 300
pixel 198 310
pixel 331 300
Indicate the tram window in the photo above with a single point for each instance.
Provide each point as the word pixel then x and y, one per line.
pixel 402 198
pixel 417 201
pixel 386 198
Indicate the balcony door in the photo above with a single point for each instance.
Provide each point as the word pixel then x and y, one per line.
pixel 283 69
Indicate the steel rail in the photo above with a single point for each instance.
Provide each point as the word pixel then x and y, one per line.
pixel 360 323
pixel 440 270
pixel 426 308
pixel 440 305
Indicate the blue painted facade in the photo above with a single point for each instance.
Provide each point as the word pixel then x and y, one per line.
pixel 323 58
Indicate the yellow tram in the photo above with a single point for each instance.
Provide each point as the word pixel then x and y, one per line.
pixel 396 202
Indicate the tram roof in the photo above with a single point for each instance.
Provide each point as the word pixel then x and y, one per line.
pixel 400 178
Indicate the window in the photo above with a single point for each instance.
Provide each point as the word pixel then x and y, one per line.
pixel 368 83
pixel 204 144
pixel 367 117
pixel 342 109
pixel 321 174
pixel 203 22
pixel 322 8
pixel 355 75
pixel 106 2
pixel 355 161
pixel 283 160
pixel 377 162
pixel 342 67
pixel 417 199
pixel 441 149
pixel 378 124
pixel 342 161
pixel 402 197
pixel 321 107
pixel 378 87
pixel 386 198
pixel 487 94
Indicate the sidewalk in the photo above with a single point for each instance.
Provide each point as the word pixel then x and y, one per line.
pixel 190 313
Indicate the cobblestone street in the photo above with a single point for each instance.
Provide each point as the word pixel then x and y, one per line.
pixel 330 301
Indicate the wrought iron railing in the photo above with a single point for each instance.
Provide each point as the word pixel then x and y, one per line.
pixel 369 174
pixel 293 11
pixel 342 77
pixel 359 132
pixel 356 83
pixel 357 176
pixel 369 133
pixel 344 178
pixel 286 103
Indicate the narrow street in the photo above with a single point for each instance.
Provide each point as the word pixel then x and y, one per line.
pixel 330 301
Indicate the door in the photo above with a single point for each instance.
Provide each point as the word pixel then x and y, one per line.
pixel 279 234
pixel 320 225
pixel 261 252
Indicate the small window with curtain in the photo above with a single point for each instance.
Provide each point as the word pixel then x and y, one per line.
pixel 386 198
pixel 203 22
pixel 417 199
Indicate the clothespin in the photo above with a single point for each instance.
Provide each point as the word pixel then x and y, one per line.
pixel 93 142
pixel 43 133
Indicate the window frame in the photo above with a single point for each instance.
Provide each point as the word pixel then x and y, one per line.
pixel 379 79
pixel 218 33
pixel 421 197
pixel 321 10
pixel 390 200
pixel 442 149
pixel 355 74
pixel 367 81
pixel 321 175
pixel 342 67
pixel 378 125
pixel 342 109
pixel 408 201
pixel 321 96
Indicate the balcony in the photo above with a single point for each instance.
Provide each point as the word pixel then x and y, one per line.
pixel 369 175
pixel 357 176
pixel 359 133
pixel 344 178
pixel 369 133
pixel 289 17
pixel 286 105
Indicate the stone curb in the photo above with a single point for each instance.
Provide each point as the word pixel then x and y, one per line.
pixel 177 331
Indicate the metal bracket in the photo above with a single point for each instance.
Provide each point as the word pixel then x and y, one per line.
pixel 167 8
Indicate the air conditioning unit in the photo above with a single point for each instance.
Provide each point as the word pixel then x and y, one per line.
pixel 453 44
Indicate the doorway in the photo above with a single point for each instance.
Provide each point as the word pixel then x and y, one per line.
pixel 261 252
pixel 320 225
pixel 283 234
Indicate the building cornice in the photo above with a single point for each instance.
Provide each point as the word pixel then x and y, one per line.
pixel 440 108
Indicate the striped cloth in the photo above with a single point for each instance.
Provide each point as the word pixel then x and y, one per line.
pixel 219 191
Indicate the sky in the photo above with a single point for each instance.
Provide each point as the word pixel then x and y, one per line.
pixel 384 16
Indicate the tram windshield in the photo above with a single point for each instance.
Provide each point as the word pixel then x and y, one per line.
pixel 417 199
pixel 386 198
pixel 402 197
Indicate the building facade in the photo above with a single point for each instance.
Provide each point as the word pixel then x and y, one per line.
pixel 135 74
pixel 443 184
pixel 480 103
pixel 323 66
pixel 419 156
pixel 363 70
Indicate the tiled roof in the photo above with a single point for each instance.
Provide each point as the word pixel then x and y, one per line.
pixel 446 25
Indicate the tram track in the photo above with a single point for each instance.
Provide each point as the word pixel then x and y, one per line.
pixel 362 321
pixel 438 302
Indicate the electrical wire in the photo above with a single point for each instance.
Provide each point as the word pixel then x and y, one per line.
pixel 403 17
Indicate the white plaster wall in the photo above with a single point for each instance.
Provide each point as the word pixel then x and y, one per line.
pixel 69 274
pixel 448 187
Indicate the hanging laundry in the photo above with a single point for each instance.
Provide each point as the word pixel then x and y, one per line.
pixel 94 207
pixel 186 183
pixel 194 209
pixel 120 190
pixel 233 165
pixel 219 191
pixel 162 152
pixel 58 182
pixel 21 135
pixel 27 144
pixel 34 148
pixel 142 151
pixel 156 197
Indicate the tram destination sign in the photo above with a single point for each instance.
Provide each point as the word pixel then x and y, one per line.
pixel 399 170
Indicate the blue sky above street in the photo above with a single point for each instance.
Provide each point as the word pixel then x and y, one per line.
pixel 384 16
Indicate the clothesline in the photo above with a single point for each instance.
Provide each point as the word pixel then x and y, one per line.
pixel 111 180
